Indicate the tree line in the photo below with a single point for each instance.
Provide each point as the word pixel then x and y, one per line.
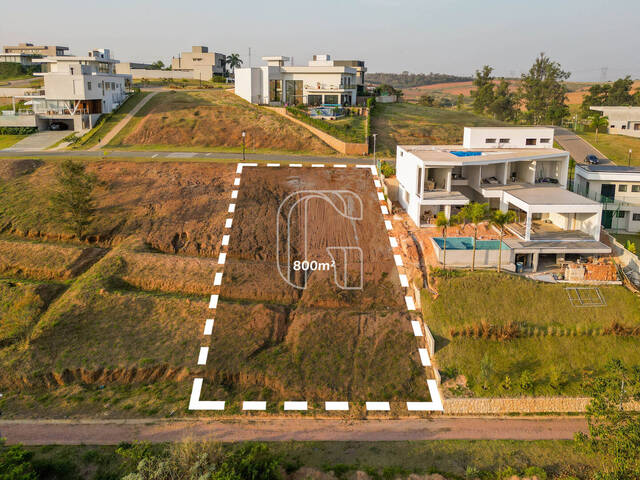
pixel 406 79
pixel 539 99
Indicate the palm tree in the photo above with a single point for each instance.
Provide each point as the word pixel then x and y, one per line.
pixel 597 122
pixel 476 213
pixel 233 61
pixel 500 219
pixel 443 222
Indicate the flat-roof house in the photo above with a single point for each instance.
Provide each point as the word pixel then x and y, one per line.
pixel 26 53
pixel 201 63
pixel 77 90
pixel 622 120
pixel 510 169
pixel 617 188
pixel 321 82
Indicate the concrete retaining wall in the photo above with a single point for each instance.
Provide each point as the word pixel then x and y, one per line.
pixel 13 91
pixel 499 406
pixel 338 145
pixel 18 121
pixel 627 259
pixel 139 73
pixel 463 258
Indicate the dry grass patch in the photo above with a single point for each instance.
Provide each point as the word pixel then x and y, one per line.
pixel 214 119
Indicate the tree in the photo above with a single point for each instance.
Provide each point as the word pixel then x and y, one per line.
pixel 544 92
pixel 157 65
pixel 500 219
pixel 613 94
pixel 460 101
pixel 443 222
pixel 72 200
pixel 503 106
pixel 427 100
pixel 620 92
pixel 613 432
pixel 15 463
pixel 598 122
pixel 474 213
pixel 483 95
pixel 233 61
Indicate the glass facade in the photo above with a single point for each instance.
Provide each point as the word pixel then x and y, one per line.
pixel 314 100
pixel 275 90
pixel 293 92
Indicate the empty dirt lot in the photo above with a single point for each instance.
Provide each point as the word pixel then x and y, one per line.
pixel 213 120
pixel 274 342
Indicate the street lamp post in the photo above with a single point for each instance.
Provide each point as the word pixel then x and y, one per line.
pixel 244 134
pixel 375 160
pixel 629 159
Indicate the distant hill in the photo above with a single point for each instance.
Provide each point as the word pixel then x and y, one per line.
pixel 404 80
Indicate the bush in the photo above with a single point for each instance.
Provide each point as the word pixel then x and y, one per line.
pixel 387 169
pixel 18 130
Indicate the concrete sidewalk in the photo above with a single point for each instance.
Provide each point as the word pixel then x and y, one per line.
pixel 121 124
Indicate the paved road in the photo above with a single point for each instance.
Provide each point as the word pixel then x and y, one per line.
pixel 34 432
pixel 176 156
pixel 578 147
pixel 120 125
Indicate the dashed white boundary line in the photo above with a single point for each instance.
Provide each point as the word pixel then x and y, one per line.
pixel 196 404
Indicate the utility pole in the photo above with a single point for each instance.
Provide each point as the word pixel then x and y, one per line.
pixel 629 159
pixel 244 134
pixel 249 57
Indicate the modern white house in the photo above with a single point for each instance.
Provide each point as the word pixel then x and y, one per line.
pixel 622 120
pixel 321 82
pixel 77 90
pixel 510 169
pixel 617 188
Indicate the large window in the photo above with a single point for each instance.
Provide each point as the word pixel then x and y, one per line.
pixel 275 90
pixel 331 100
pixel 293 92
pixel 314 99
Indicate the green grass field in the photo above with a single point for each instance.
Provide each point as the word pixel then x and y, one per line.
pixel 542 333
pixel 93 137
pixel 7 141
pixel 380 460
pixel 410 124
pixel 615 147
pixel 348 129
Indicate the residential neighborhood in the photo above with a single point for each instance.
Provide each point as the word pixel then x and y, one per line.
pixel 252 241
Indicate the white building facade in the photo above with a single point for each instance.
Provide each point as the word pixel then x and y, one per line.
pixel 78 89
pixel 617 188
pixel 622 120
pixel 319 83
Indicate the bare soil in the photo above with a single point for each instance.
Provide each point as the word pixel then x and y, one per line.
pixel 275 342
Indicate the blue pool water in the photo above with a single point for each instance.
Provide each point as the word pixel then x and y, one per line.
pixel 466 243
pixel 464 153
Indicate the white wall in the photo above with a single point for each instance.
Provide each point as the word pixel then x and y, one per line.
pixel 249 85
pixel 475 137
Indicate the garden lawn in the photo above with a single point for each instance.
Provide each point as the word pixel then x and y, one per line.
pixel 542 333
pixel 351 129
pixel 615 147
pixel 7 141
pixel 623 238
pixel 414 124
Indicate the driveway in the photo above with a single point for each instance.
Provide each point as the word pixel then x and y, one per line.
pixel 38 141
pixel 578 147
pixel 111 432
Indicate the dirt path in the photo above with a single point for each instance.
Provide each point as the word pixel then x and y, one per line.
pixel 120 125
pixel 102 432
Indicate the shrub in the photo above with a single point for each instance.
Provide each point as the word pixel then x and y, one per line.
pixel 18 130
pixel 537 472
pixel 387 169
pixel 526 381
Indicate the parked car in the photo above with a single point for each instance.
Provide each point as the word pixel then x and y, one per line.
pixel 592 159
pixel 58 126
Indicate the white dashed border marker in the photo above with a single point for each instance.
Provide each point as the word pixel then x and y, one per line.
pixel 213 301
pixel 256 405
pixel 417 329
pixel 196 404
pixel 317 165
pixel 273 164
pixel 225 240
pixel 393 242
pixel 410 304
pixel 295 405
pixel 336 406
pixel 424 357
pixel 236 182
pixel 202 356
pixel 232 208
pixel 381 196
pixel 398 259
pixel 384 209
pixel 295 165
pixel 378 406
pixel 234 194
pixel 217 280
pixel 404 281
pixel 208 326
pixel 387 224
pixel 377 183
pixel 339 165
pixel 228 223
pixel 222 258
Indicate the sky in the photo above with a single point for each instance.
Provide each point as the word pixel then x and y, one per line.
pixel 419 36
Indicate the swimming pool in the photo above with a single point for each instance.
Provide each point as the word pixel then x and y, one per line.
pixel 466 243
